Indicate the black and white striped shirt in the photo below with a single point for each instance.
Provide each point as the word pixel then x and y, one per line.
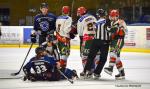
pixel 102 29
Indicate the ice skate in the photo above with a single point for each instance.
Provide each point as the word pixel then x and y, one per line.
pixel 24 78
pixel 82 75
pixel 96 76
pixel 75 75
pixel 120 76
pixel 108 70
pixel 89 75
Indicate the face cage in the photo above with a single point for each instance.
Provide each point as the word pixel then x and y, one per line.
pixel 114 18
pixel 78 13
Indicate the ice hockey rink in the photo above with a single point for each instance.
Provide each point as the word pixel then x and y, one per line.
pixel 137 69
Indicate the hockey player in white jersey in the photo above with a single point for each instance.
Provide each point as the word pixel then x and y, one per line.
pixel 86 31
pixel 63 27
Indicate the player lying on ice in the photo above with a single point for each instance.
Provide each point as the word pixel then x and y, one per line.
pixel 45 68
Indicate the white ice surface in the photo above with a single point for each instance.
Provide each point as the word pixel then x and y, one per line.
pixel 137 68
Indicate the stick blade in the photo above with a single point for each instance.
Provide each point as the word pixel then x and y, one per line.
pixel 14 74
pixel 71 81
pixel 10 74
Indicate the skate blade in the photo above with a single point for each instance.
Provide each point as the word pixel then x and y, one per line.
pixel 82 77
pixel 120 78
pixel 96 78
pixel 89 78
pixel 85 78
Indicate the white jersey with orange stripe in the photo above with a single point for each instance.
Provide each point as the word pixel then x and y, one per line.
pixel 63 25
pixel 86 25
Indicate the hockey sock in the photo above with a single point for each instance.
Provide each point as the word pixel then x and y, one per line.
pixel 84 62
pixel 112 62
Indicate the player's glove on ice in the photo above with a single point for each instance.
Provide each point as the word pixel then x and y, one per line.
pixel 33 38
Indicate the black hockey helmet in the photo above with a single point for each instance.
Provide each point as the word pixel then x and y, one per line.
pixel 101 13
pixel 44 5
pixel 39 50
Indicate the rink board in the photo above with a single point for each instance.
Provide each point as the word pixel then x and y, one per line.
pixel 143 50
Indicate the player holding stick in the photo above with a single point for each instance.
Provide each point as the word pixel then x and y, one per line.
pixel 45 68
pixel 44 24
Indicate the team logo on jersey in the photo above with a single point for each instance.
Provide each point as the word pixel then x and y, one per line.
pixel 44 25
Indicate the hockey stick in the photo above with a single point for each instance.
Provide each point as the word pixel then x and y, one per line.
pixel 14 74
pixel 10 77
pixel 72 6
pixel 70 80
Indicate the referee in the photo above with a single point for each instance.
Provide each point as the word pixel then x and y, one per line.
pixel 100 43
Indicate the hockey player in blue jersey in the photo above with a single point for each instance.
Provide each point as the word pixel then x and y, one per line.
pixel 45 68
pixel 44 24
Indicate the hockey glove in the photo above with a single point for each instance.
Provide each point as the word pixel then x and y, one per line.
pixel 33 38
pixel 73 31
pixel 72 36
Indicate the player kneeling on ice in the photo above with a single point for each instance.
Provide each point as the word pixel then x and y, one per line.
pixel 45 68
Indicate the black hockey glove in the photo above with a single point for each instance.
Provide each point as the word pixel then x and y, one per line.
pixel 72 36
pixel 73 31
pixel 33 38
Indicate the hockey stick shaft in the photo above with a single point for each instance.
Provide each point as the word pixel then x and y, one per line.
pixel 71 81
pixel 23 61
pixel 72 6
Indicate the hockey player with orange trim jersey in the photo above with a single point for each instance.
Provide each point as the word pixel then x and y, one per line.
pixel 63 28
pixel 118 31
pixel 86 30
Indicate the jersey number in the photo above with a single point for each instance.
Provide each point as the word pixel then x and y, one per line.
pixel 90 26
pixel 58 27
pixel 40 68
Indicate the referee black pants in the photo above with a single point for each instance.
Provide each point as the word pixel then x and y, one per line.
pixel 97 45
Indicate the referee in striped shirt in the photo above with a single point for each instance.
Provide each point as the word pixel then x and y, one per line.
pixel 100 43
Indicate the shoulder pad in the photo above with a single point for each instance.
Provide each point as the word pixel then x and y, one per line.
pixel 101 21
pixel 51 15
pixel 33 58
pixel 82 17
pixel 37 16
pixel 63 17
